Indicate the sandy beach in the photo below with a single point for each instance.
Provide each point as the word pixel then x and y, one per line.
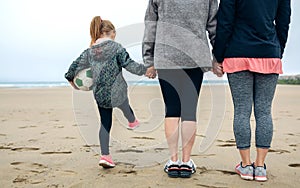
pixel 49 138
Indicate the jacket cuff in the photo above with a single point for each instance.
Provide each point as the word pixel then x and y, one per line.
pixel 69 76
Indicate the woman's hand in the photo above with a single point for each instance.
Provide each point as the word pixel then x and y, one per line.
pixel 218 69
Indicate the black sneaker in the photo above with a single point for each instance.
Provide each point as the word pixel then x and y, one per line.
pixel 172 169
pixel 187 169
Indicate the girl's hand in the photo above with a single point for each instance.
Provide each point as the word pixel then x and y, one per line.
pixel 73 85
pixel 151 72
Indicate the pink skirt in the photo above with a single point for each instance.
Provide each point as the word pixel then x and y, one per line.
pixel 259 65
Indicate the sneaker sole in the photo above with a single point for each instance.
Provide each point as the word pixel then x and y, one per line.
pixel 245 177
pixel 262 178
pixel 185 172
pixel 106 164
pixel 132 128
pixel 172 171
pixel 173 174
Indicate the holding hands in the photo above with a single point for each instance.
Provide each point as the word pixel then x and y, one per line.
pixel 217 68
pixel 151 72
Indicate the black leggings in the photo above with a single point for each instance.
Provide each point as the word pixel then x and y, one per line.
pixel 106 124
pixel 180 89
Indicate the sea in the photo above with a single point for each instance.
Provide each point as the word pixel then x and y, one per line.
pixel 50 84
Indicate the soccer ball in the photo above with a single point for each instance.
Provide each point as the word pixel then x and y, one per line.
pixel 84 80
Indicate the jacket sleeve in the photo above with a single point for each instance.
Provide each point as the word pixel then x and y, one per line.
pixel 148 44
pixel 282 21
pixel 225 19
pixel 130 65
pixel 212 20
pixel 79 64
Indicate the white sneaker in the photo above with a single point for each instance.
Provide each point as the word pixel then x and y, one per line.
pixel 191 164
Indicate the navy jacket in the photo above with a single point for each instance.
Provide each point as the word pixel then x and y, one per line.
pixel 252 28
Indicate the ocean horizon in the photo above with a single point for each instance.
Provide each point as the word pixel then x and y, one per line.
pixel 49 84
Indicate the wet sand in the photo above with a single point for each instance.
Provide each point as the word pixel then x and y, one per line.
pixel 49 138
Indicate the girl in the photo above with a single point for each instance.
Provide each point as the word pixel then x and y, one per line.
pixel 106 59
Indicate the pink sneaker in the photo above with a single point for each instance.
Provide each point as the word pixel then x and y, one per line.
pixel 106 161
pixel 133 125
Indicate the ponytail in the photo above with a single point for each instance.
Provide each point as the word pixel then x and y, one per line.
pixel 99 27
pixel 95 29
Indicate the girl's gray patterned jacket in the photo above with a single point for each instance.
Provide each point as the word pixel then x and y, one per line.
pixel 106 60
pixel 176 33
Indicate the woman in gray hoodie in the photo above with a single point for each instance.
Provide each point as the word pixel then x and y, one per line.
pixel 175 47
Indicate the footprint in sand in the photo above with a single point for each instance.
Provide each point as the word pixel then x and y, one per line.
pixel 125 164
pixel 68 172
pixel 19 180
pixel 71 138
pixel 4 147
pixel 127 171
pixel 228 143
pixel 38 165
pixel 31 170
pixel 296 165
pixel 204 156
pixel 127 168
pixel 143 138
pixel 209 186
pixel 32 140
pixel 16 163
pixel 227 172
pixel 56 152
pixel 205 170
pixel 59 127
pixel 31 165
pixel 291 134
pixel 293 145
pixel 160 149
pixel 25 149
pixel 279 151
pixel 93 145
pixel 129 150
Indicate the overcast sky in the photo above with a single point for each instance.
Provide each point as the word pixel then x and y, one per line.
pixel 40 38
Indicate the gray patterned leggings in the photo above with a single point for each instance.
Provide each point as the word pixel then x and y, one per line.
pixel 252 89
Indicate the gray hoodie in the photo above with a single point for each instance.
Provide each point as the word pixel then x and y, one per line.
pixel 176 33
